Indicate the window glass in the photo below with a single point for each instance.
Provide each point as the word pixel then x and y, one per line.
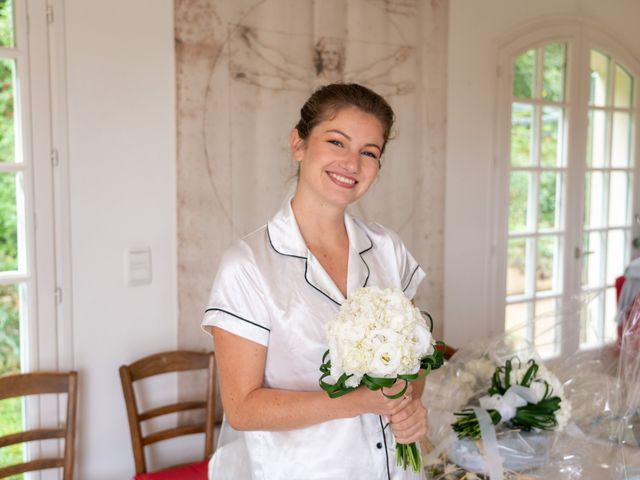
pixel 524 75
pixel 623 93
pixel 6 23
pixel 7 130
pixel 554 68
pixel 521 134
pixel 599 78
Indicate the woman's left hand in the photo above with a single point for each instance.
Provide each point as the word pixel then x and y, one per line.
pixel 410 423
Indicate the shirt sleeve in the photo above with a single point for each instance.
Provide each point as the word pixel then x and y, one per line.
pixel 237 301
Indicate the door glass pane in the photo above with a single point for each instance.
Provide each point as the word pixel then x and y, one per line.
pixel 524 75
pixel 11 413
pixel 517 325
pixel 616 246
pixel 590 325
pixel 7 92
pixel 521 134
pixel 592 260
pixel 554 67
pixel 516 316
pixel 599 78
pixel 519 188
pixel 594 199
pixel 9 329
pixel 611 308
pixel 623 94
pixel 551 187
pixel 8 221
pixel 619 199
pixel 550 143
pixel 546 270
pixel 6 23
pixel 546 327
pixel 516 261
pixel 596 139
pixel 621 140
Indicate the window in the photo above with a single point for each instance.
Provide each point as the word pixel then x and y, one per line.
pixel 29 320
pixel 537 179
pixel 568 172
pixel 608 182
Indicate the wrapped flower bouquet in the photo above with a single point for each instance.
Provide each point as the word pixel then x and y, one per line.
pixel 378 338
pixel 526 396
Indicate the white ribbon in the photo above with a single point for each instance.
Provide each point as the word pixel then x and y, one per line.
pixel 490 444
pixel 506 405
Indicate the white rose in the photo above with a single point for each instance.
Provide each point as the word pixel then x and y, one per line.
pixel 421 341
pixel 386 360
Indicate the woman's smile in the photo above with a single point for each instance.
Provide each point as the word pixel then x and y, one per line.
pixel 341 180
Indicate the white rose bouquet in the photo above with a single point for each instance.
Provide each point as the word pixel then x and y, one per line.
pixel 526 396
pixel 378 338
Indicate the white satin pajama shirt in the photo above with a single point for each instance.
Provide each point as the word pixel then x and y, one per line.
pixel 271 290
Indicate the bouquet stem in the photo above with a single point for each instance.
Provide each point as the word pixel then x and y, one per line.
pixel 409 455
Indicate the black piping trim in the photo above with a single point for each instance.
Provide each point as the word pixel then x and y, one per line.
pixel 277 251
pixel 365 263
pixel 237 316
pixel 386 451
pixel 369 247
pixel 306 266
pixel 411 278
pixel 368 270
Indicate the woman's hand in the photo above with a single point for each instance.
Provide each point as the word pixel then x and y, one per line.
pixel 410 423
pixel 375 402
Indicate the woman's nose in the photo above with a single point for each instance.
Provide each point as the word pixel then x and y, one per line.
pixel 351 162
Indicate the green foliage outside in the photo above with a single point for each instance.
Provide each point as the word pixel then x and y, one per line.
pixel 10 410
pixel 522 139
pixel 11 415
pixel 9 298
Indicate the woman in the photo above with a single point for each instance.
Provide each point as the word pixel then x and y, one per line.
pixel 276 288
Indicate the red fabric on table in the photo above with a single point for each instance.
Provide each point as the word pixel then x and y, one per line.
pixel 619 283
pixel 194 471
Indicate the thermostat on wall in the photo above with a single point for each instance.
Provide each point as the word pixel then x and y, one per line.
pixel 139 266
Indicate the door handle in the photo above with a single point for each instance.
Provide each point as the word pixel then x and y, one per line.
pixel 577 253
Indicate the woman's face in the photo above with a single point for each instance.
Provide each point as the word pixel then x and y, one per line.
pixel 339 160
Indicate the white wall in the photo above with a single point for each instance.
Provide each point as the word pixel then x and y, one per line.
pixel 121 124
pixel 476 29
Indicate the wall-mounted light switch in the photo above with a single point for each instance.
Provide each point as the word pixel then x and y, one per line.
pixel 139 266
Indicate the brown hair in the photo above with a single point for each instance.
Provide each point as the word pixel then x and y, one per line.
pixel 328 100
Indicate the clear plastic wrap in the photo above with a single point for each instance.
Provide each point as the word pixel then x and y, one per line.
pixel 601 440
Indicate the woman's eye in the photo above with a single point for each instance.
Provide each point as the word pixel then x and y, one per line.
pixel 370 154
pixel 337 143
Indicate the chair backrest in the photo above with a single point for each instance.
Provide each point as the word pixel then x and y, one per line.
pixel 160 363
pixel 40 383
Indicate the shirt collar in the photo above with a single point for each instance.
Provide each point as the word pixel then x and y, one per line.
pixel 286 239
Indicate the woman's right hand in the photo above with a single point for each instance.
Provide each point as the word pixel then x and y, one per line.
pixel 369 401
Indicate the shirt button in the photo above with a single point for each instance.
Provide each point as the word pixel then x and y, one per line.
pixel 379 445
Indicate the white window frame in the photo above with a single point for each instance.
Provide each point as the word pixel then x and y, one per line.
pixel 40 124
pixel 579 36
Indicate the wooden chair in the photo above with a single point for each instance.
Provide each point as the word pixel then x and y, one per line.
pixel 160 363
pixel 22 385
